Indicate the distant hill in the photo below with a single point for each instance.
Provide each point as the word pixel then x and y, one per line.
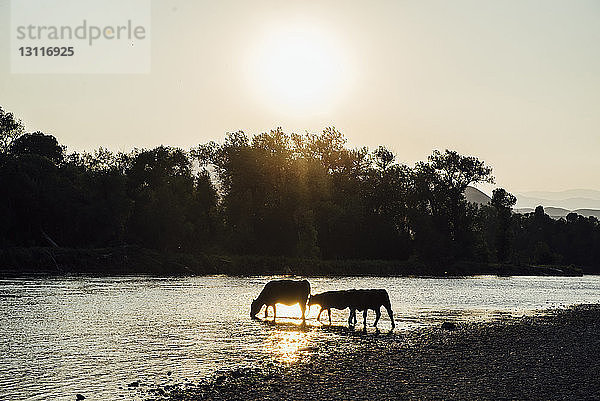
pixel 554 212
pixel 588 212
pixel 558 195
pixel 474 195
pixel 558 212
pixel 570 200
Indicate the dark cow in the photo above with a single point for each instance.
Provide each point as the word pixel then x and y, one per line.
pixel 287 292
pixel 361 300
pixel 328 300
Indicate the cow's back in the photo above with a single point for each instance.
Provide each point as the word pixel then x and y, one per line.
pixel 368 299
pixel 335 299
pixel 285 292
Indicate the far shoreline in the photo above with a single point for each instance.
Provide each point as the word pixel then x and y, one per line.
pixel 133 260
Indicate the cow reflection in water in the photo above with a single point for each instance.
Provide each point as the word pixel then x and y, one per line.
pixel 361 300
pixel 287 292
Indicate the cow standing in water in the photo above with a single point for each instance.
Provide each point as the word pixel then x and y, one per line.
pixel 330 300
pixel 361 300
pixel 287 292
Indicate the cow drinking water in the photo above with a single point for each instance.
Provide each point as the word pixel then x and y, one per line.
pixel 287 292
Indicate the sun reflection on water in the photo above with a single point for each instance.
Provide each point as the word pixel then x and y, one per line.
pixel 286 346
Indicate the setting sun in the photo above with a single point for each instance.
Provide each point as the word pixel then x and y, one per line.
pixel 298 68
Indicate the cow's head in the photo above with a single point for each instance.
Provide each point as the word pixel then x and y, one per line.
pixel 314 300
pixel 255 307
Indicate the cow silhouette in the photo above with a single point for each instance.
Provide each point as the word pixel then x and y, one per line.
pixel 330 300
pixel 287 292
pixel 361 300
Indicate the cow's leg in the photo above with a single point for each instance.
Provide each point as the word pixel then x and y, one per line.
pixel 274 312
pixel 319 315
pixel 303 308
pixel 391 314
pixel 377 316
pixel 365 319
pixel 329 313
pixel 352 314
pixel 266 311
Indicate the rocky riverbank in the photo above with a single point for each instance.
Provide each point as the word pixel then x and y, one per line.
pixel 551 356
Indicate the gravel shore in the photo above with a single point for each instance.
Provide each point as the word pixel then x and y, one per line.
pixel 552 356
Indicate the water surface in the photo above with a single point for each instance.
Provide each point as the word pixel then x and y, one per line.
pixel 63 336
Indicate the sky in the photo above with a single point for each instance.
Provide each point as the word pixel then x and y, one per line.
pixel 514 83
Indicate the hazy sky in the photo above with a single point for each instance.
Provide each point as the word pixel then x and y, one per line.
pixel 515 83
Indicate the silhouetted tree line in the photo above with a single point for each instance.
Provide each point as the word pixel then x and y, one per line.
pixel 279 194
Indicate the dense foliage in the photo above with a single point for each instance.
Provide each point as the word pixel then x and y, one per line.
pixel 302 196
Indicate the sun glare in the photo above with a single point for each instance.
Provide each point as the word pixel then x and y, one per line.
pixel 299 68
pixel 284 311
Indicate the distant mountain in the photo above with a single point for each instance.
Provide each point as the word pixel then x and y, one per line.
pixel 568 203
pixel 554 212
pixel 552 207
pixel 571 199
pixel 558 195
pixel 588 212
pixel 474 195
pixel 558 212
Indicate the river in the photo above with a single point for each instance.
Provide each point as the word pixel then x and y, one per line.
pixel 90 335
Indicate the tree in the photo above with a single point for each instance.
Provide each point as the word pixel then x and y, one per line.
pixel 273 194
pixel 171 207
pixel 39 144
pixel 10 130
pixel 384 158
pixel 385 191
pixel 457 171
pixel 441 219
pixel 503 202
